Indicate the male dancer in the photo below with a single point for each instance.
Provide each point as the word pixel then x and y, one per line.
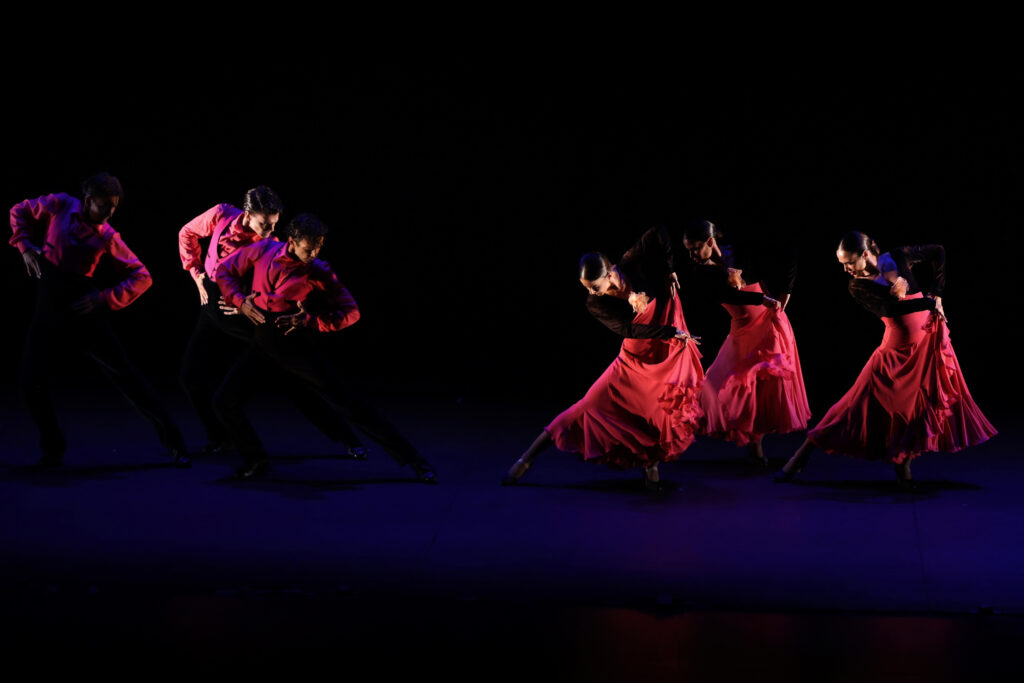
pixel 221 334
pixel 293 295
pixel 62 241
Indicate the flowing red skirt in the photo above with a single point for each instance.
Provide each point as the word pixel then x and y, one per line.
pixel 755 385
pixel 910 398
pixel 645 408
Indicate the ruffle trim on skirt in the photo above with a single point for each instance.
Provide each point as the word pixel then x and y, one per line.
pixel 945 417
pixel 741 390
pixel 621 443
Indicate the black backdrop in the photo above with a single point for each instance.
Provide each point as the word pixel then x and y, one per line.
pixel 460 197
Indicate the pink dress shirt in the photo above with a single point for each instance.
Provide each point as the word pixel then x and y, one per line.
pixel 281 281
pixel 223 225
pixel 73 245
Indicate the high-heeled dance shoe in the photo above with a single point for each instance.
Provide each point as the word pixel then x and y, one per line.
pixel 652 479
pixel 516 472
pixel 757 459
pixel 903 477
pixel 783 476
pixel 760 462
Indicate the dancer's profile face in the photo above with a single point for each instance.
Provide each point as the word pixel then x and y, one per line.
pixel 261 223
pixel 700 250
pixel 853 263
pixel 610 283
pixel 98 210
pixel 305 249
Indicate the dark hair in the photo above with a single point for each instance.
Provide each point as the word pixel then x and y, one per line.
pixel 855 242
pixel 594 265
pixel 700 231
pixel 261 199
pixel 102 185
pixel 306 226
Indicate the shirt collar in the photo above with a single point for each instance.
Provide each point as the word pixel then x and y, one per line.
pixel 236 225
pixel 285 260
pixel 79 227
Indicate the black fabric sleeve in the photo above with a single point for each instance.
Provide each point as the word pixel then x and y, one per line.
pixel 785 279
pixel 933 256
pixel 649 262
pixel 877 299
pixel 617 315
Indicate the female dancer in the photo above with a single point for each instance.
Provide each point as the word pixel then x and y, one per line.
pixel 644 408
pixel 755 386
pixel 911 396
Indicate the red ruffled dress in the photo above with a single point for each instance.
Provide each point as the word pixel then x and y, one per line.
pixel 755 386
pixel 645 408
pixel 910 398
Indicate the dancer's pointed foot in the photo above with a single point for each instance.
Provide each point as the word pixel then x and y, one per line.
pixel 516 472
pixel 903 476
pixel 652 478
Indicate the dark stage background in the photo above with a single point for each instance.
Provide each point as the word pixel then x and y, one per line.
pixel 460 197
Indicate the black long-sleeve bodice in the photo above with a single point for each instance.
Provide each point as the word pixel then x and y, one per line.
pixel 649 263
pixel 647 267
pixel 617 315
pixel 876 297
pixel 932 257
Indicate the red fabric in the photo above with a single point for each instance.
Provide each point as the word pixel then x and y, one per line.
pixel 910 398
pixel 55 222
pixel 281 282
pixel 755 385
pixel 645 407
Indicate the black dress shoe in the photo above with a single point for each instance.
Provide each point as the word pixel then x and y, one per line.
pixel 355 453
pixel 179 457
pixel 53 447
pixel 424 471
pixel 253 470
pixel 217 448
pixel 50 461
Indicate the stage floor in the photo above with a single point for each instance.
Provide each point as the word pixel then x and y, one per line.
pixel 723 574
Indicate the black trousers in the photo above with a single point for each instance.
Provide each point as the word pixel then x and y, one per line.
pixel 217 341
pixel 54 331
pixel 297 355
